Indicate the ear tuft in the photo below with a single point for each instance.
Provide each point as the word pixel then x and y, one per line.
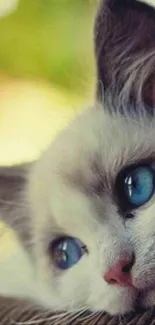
pixel 125 52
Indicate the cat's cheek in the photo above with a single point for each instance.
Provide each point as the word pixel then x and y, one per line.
pixel 149 299
pixel 120 302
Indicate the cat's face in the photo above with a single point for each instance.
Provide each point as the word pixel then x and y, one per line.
pixel 73 194
pixel 92 194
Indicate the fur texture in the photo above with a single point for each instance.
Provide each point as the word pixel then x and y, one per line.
pixel 70 190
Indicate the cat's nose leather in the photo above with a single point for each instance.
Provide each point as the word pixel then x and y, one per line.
pixel 120 273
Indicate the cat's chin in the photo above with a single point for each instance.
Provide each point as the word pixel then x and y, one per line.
pixel 123 304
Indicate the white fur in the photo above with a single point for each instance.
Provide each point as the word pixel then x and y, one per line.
pixel 149 2
pixel 61 197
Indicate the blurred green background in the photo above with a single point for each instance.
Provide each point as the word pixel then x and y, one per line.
pixel 52 40
pixel 46 72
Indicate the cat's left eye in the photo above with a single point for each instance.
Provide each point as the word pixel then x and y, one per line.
pixel 67 251
pixel 135 186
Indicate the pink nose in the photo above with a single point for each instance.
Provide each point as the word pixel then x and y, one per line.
pixel 120 273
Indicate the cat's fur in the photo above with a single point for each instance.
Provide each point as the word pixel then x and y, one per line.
pixel 70 189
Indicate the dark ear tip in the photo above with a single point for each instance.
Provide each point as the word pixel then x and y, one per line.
pixel 116 5
pixel 125 51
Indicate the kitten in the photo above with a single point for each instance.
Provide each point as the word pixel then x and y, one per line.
pixel 85 212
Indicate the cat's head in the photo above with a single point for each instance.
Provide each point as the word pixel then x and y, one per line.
pixel 93 193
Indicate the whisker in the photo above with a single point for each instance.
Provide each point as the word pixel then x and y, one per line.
pixel 34 320
pixel 94 315
pixel 66 316
pixel 120 318
pixel 70 318
pixel 14 203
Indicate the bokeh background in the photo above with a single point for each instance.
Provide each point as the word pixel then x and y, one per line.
pixel 46 76
pixel 46 72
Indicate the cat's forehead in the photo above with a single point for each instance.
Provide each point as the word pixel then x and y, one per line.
pixel 101 144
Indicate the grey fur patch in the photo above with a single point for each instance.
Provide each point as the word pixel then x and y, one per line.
pixel 13 208
pixel 125 56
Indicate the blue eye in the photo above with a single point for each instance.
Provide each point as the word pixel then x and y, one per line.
pixel 67 251
pixel 136 186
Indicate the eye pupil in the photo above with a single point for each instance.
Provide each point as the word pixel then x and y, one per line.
pixel 135 186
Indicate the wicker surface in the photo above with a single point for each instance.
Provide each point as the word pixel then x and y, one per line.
pixel 13 312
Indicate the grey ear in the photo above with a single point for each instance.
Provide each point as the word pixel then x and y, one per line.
pixel 13 207
pixel 125 53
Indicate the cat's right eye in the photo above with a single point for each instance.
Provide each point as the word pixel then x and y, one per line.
pixel 67 251
pixel 135 186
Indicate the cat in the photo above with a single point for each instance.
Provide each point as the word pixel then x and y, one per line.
pixel 85 211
